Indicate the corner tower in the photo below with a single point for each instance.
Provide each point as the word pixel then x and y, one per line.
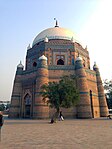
pixel 84 107
pixel 16 93
pixel 101 95
pixel 41 110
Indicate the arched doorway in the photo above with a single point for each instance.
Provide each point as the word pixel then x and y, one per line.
pixel 60 62
pixel 91 102
pixel 27 100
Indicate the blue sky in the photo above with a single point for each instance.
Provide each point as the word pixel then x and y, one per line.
pixel 22 20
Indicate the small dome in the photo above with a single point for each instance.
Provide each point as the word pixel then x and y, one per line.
pixel 72 39
pixel 20 65
pixel 95 66
pixel 79 59
pixel 55 33
pixel 28 47
pixel 46 39
pixel 43 58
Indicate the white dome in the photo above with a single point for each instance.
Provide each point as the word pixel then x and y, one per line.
pixel 43 58
pixel 46 39
pixel 95 66
pixel 55 33
pixel 79 59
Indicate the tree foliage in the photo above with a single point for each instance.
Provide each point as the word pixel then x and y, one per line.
pixel 61 94
pixel 7 106
pixel 108 89
pixel 2 107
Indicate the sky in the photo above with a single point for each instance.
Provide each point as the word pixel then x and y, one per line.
pixel 22 20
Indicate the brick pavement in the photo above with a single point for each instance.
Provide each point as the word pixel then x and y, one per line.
pixel 68 134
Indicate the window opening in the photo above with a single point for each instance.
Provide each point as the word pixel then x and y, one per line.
pixel 34 64
pixel 60 62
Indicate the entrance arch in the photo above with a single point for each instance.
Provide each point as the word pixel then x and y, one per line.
pixel 27 101
pixel 91 103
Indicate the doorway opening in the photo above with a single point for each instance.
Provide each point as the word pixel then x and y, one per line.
pixel 91 102
pixel 27 100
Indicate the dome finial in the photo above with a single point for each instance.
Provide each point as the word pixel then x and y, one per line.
pixel 28 47
pixel 72 39
pixel 56 22
pixel 20 65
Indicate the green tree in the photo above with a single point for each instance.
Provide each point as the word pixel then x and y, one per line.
pixel 61 94
pixel 2 107
pixel 108 89
pixel 7 106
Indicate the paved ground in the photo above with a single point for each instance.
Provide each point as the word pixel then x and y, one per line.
pixel 68 134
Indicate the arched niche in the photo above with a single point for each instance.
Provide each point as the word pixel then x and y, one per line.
pixel 27 105
pixel 60 62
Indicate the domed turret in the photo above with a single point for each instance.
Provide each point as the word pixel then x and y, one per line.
pixel 95 66
pixel 46 39
pixel 102 99
pixel 83 107
pixel 72 40
pixel 20 65
pixel 43 58
pixel 42 73
pixel 78 63
pixel 42 61
pixel 28 47
pixel 16 93
pixel 79 58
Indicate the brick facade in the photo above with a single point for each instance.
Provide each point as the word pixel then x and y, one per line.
pixel 61 60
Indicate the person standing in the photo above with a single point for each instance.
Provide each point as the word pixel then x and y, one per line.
pixel 61 116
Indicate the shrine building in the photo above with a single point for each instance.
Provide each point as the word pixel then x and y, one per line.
pixel 56 52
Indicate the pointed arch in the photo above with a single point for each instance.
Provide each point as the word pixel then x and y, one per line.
pixel 27 92
pixel 91 102
pixel 60 62
pixel 27 104
pixel 27 99
pixel 34 64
